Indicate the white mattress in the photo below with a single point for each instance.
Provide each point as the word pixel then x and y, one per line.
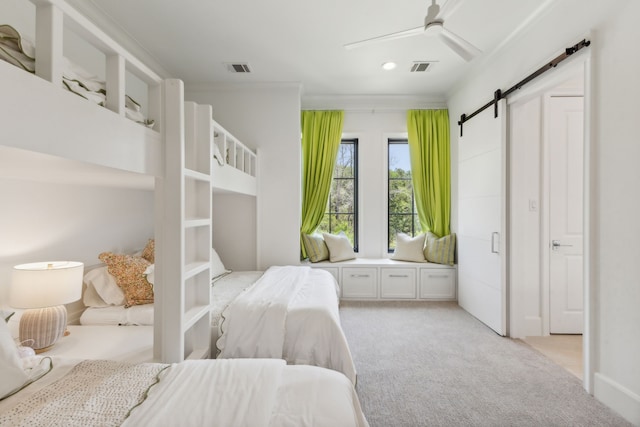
pixel 137 315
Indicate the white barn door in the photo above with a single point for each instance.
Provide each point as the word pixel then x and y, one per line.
pixel 482 154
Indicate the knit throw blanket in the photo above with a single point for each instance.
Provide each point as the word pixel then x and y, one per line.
pixel 94 392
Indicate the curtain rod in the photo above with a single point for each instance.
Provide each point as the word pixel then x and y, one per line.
pixel 498 94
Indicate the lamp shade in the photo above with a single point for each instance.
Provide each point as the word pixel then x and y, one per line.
pixel 46 284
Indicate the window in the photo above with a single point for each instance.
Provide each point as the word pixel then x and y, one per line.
pixel 402 214
pixel 342 207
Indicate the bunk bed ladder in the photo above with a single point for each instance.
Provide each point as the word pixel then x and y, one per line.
pixel 183 231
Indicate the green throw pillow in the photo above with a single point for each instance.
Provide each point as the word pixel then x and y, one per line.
pixel 316 247
pixel 440 250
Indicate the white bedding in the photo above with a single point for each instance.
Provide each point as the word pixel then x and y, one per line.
pixel 239 392
pixel 290 313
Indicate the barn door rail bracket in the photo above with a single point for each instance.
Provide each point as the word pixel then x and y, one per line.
pixel 499 94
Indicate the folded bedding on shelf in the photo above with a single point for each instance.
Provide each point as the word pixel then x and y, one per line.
pixel 17 51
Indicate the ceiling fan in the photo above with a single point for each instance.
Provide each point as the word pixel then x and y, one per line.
pixel 433 25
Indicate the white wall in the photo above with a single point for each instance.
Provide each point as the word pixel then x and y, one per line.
pixel 266 118
pixel 615 203
pixel 234 230
pixel 48 221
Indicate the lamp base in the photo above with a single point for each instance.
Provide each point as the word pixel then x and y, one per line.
pixel 44 326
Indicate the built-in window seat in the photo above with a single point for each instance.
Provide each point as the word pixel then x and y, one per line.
pixel 387 279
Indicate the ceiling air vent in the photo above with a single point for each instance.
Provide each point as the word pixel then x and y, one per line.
pixel 238 67
pixel 421 66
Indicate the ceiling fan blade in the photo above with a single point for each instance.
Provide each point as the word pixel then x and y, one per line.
pixel 400 34
pixel 459 45
pixel 449 8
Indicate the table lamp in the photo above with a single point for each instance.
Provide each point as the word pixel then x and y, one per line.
pixel 43 288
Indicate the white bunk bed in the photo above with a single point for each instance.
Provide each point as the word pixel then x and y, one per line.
pixel 175 159
pixel 52 132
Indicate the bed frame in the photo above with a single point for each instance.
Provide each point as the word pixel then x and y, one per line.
pixel 174 159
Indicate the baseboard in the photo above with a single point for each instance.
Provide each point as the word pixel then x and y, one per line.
pixel 617 397
pixel 533 326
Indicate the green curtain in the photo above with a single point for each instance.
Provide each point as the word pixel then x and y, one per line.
pixel 321 136
pixel 430 168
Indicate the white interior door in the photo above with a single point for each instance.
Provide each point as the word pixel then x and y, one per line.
pixel 481 219
pixel 566 142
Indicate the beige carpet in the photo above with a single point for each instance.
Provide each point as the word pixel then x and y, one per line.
pixel 432 364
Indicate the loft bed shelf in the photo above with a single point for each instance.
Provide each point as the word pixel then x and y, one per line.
pixel 235 165
pixel 51 121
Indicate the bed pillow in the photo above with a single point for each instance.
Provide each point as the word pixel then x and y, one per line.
pixel 339 247
pixel 129 272
pixel 148 252
pixel 316 247
pixel 12 373
pixel 103 285
pixel 217 267
pixel 440 250
pixel 409 248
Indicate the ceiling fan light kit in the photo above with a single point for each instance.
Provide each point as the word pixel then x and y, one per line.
pixel 433 26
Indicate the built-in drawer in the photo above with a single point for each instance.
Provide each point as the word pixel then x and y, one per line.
pixel 398 283
pixel 359 282
pixel 333 270
pixel 437 283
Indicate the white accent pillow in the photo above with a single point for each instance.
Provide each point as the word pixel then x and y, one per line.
pixel 217 267
pixel 150 273
pixel 409 248
pixel 13 375
pixel 339 247
pixel 105 286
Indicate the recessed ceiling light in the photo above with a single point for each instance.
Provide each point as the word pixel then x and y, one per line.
pixel 388 66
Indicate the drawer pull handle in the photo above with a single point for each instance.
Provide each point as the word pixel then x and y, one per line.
pixel 359 275
pixel 441 276
pixel 398 275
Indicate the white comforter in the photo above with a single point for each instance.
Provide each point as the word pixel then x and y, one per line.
pixel 247 392
pixel 290 313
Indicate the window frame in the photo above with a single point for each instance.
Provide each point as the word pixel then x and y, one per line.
pixel 355 213
pixel 414 213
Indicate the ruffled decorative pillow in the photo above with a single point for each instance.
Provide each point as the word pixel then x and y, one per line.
pixel 129 272
pixel 148 252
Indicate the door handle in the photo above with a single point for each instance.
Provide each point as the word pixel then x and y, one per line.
pixel 555 244
pixel 493 242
